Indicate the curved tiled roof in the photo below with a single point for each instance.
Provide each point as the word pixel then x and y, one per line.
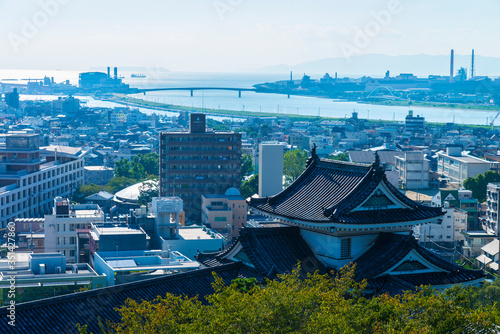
pixel 389 249
pixel 328 191
pixel 271 251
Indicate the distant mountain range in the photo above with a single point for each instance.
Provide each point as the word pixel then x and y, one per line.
pixel 376 65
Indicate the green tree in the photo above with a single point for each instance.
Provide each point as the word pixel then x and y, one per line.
pixel 151 163
pixel 147 191
pixel 479 184
pixel 86 190
pixel 118 183
pixel 340 157
pixel 318 304
pixel 250 187
pixel 122 168
pixel 246 165
pixel 294 163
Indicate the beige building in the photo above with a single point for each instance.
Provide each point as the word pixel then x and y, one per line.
pixel 225 213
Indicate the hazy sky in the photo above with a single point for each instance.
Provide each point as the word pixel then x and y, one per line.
pixel 236 35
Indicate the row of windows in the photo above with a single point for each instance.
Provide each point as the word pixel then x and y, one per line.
pixel 200 157
pixel 200 148
pixel 199 138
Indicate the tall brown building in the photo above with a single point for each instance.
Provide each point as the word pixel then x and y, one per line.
pixel 198 162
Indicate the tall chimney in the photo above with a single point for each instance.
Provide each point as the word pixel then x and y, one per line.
pixel 109 72
pixel 451 65
pixel 472 69
pixel 116 72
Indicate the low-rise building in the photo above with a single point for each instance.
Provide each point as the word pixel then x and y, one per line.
pixel 457 165
pixel 224 213
pixel 413 170
pixel 61 226
pixel 474 241
pixel 47 275
pixel 129 266
pixel 99 175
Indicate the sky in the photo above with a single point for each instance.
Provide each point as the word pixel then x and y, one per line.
pixel 236 35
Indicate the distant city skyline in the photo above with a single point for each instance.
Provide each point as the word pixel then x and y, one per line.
pixel 235 35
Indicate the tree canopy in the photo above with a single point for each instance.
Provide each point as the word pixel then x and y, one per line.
pixel 250 187
pixel 318 304
pixel 246 165
pixel 479 184
pixel 294 163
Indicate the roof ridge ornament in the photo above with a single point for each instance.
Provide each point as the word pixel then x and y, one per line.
pixel 313 157
pixel 376 163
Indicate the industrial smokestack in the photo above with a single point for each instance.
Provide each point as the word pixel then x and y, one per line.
pixel 472 69
pixel 451 65
pixel 109 72
pixel 116 72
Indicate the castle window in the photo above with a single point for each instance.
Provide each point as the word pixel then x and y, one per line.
pixel 345 248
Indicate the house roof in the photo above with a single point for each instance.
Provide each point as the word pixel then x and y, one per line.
pixel 100 196
pixel 491 248
pixel 61 314
pixel 329 191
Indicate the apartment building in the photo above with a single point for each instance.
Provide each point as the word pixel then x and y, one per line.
pixel 31 176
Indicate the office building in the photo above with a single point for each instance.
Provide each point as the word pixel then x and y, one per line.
pixel 31 176
pixel 198 162
pixel 270 168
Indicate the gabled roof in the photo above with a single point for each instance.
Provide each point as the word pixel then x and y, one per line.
pixel 269 250
pixel 100 196
pixel 329 191
pixel 390 249
pixel 61 314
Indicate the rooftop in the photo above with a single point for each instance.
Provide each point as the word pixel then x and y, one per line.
pixel 195 233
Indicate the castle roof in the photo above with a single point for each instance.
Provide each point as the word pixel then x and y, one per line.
pixel 339 192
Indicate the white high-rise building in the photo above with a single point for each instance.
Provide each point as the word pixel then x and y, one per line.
pixel 270 168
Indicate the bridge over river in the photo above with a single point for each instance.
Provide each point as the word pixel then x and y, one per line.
pixel 192 89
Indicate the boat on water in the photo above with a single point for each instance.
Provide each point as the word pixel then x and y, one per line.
pixel 138 76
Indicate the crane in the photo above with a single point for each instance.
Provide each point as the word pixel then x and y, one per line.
pixel 493 120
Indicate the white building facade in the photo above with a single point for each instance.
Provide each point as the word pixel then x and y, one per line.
pixel 31 177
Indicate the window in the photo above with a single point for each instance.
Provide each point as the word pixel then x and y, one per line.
pixel 220 219
pixel 345 248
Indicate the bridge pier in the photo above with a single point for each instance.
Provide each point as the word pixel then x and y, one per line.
pixel 144 93
pixel 191 92
pixel 239 93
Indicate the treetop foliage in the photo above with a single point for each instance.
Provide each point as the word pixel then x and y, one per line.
pixel 479 184
pixel 318 304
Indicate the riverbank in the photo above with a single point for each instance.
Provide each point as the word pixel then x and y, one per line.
pixel 432 105
pixel 213 112
pixel 139 103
